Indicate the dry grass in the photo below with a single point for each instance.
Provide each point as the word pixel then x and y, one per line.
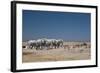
pixel 59 54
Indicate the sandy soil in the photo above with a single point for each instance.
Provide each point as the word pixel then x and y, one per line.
pixel 58 54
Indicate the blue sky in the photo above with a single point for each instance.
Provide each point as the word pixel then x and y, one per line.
pixel 69 26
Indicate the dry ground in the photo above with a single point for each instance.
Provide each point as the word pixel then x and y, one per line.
pixel 59 54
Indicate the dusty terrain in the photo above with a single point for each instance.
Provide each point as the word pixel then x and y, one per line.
pixel 58 54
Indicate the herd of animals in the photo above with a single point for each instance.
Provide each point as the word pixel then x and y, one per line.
pixel 44 43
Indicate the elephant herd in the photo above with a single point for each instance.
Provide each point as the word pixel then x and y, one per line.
pixel 45 44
